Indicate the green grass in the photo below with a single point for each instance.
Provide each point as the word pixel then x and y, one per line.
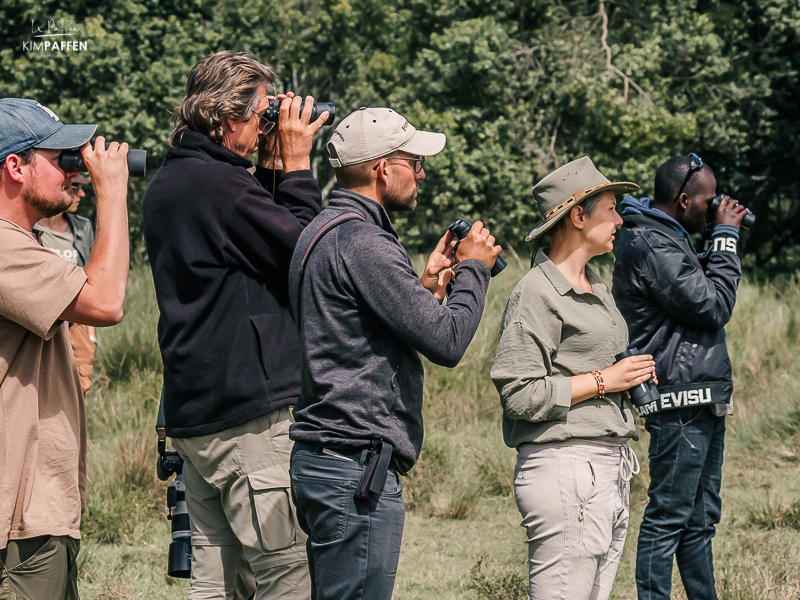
pixel 462 537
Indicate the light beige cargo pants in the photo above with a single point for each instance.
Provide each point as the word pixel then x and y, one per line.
pixel 245 535
pixel 574 500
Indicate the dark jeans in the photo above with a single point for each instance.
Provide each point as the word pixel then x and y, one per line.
pixel 353 545
pixel 685 454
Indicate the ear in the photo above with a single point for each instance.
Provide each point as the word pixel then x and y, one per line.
pixel 13 169
pixel 382 172
pixel 683 202
pixel 577 217
pixel 229 123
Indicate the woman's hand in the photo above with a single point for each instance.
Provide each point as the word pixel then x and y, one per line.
pixel 629 372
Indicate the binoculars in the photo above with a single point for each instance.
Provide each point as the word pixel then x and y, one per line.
pixel 273 110
pixel 72 160
pixel 460 228
pixel 644 392
pixel 747 221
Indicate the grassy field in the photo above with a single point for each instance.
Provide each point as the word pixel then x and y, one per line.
pixel 462 537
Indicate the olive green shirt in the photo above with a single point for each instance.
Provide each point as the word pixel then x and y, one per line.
pixel 551 331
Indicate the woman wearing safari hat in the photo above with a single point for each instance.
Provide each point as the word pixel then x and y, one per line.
pixel 561 391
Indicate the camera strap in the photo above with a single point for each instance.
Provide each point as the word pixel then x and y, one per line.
pixel 304 253
pixel 684 396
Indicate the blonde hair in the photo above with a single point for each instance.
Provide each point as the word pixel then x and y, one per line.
pixel 222 84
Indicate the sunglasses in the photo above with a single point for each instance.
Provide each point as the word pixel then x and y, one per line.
pixel 417 166
pixel 695 165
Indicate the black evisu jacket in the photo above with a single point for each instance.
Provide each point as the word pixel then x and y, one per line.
pixel 676 304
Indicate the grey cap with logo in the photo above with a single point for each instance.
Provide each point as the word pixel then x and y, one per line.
pixel 371 133
pixel 27 124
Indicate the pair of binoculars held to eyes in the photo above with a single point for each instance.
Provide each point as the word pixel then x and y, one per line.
pixel 72 160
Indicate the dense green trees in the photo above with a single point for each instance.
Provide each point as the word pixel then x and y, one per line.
pixel 518 86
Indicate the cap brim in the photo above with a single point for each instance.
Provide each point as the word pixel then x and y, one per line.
pixel 616 187
pixel 69 136
pixel 425 143
pixel 80 180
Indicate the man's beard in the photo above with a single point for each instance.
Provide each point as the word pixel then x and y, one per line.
pixel 395 201
pixel 47 208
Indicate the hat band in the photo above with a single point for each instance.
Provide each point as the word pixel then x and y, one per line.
pixel 571 201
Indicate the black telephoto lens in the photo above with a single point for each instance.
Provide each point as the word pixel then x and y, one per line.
pixel 72 160
pixel 273 110
pixel 460 228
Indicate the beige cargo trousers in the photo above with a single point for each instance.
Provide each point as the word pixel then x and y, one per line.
pixel 245 536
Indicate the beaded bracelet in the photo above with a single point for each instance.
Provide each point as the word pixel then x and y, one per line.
pixel 601 386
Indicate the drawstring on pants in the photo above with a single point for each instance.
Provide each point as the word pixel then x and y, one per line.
pixel 628 463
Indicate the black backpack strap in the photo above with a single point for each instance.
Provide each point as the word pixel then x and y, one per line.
pixel 302 252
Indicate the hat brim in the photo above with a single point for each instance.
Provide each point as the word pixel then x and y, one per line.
pixel 616 187
pixel 425 143
pixel 69 136
pixel 80 180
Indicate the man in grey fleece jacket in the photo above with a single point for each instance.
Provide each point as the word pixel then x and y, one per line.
pixel 365 318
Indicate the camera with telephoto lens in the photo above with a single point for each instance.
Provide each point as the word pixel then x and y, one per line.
pixel 460 228
pixel 72 160
pixel 273 111
pixel 644 392
pixel 179 561
pixel 747 221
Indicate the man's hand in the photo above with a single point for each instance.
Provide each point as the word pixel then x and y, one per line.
pixel 437 272
pixel 296 133
pixel 730 212
pixel 108 168
pixel 269 156
pixel 478 244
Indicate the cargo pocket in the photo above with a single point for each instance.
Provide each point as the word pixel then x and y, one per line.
pixel 272 506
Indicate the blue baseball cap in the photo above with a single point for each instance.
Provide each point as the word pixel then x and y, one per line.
pixel 27 124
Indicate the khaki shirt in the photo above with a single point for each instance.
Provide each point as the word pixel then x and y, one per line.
pixel 551 331
pixel 42 416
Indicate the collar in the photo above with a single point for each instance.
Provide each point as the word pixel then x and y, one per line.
pixel 561 283
pixel 373 212
pixel 194 144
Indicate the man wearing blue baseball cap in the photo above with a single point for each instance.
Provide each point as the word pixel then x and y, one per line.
pixel 42 415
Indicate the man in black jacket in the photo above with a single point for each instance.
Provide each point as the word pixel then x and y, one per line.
pixel 676 304
pixel 220 243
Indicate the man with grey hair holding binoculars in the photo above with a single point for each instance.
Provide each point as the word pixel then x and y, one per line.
pixel 220 234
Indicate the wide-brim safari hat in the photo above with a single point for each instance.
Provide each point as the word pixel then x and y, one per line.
pixel 568 186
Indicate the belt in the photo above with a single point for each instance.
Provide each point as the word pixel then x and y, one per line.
pixel 377 460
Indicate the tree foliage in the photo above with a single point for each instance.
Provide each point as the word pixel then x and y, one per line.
pixel 518 86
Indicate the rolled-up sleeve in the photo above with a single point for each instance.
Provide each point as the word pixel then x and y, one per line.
pixel 530 387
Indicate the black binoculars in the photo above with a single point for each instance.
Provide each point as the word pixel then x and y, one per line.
pixel 273 110
pixel 72 160
pixel 460 228
pixel 644 392
pixel 747 221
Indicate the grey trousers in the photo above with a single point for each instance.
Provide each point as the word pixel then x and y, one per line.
pixel 244 526
pixel 574 498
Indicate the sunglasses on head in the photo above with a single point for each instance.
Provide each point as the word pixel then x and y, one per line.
pixel 695 164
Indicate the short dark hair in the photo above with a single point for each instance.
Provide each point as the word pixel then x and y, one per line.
pixel 588 206
pixel 670 176
pixel 225 83
pixel 358 175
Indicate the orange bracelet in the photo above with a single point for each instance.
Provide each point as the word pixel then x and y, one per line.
pixel 601 386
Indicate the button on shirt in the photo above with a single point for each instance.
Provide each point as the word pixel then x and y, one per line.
pixel 551 331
